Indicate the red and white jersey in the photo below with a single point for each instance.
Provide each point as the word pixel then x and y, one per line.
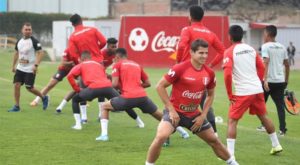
pixel 198 31
pixel 130 76
pixel 188 86
pixel 107 58
pixel 92 74
pixel 243 65
pixel 67 57
pixel 87 39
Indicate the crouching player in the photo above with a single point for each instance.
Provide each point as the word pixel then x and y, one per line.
pixel 189 81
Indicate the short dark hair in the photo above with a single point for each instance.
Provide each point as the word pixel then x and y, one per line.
pixel 198 43
pixel 196 13
pixel 236 33
pixel 85 55
pixel 26 24
pixel 121 52
pixel 75 19
pixel 271 30
pixel 112 41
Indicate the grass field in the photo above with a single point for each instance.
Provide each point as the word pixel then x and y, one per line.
pixel 34 136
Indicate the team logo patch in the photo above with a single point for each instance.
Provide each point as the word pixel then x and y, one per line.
pixel 205 80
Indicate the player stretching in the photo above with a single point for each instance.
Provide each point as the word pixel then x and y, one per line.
pixel 189 80
pixel 131 79
pixel 198 31
pixel 66 65
pixel 28 55
pixel 244 68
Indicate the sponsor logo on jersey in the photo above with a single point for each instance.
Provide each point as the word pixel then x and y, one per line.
pixel 192 95
pixel 189 108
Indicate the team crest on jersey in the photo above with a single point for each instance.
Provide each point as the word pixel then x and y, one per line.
pixel 171 73
pixel 205 80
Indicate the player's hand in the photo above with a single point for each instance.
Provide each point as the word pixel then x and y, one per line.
pixel 198 121
pixel 266 86
pixel 34 69
pixel 13 69
pixel 174 118
pixel 232 100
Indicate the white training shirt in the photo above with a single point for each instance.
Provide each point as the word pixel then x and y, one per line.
pixel 242 59
pixel 277 53
pixel 26 49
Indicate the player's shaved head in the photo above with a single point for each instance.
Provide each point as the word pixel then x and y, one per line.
pixel 85 55
pixel 236 33
pixel 198 43
pixel 196 13
pixel 121 52
pixel 75 19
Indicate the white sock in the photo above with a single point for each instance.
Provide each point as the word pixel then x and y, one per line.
pixel 180 130
pixel 77 119
pixel 37 99
pixel 83 112
pixel 274 139
pixel 100 109
pixel 104 126
pixel 231 161
pixel 147 163
pixel 230 146
pixel 62 104
pixel 139 122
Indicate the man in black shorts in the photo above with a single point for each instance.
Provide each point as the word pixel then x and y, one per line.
pixel 131 79
pixel 28 57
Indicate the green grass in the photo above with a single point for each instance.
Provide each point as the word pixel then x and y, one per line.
pixel 34 136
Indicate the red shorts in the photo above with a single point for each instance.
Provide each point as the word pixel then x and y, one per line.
pixel 255 103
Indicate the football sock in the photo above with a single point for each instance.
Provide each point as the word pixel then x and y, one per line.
pixel 230 146
pixel 139 122
pixel 104 125
pixel 62 104
pixel 147 163
pixel 37 99
pixel 274 139
pixel 77 119
pixel 181 130
pixel 100 109
pixel 83 112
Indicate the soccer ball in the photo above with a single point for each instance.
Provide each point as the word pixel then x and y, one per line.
pixel 138 39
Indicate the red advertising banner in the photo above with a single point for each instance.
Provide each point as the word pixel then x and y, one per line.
pixel 152 40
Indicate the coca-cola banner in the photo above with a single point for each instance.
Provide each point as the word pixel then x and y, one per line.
pixel 152 40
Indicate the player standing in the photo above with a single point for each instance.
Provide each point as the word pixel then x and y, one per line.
pixel 28 56
pixel 198 31
pixel 189 80
pixel 244 68
pixel 131 79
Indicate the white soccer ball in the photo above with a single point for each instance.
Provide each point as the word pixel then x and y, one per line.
pixel 138 39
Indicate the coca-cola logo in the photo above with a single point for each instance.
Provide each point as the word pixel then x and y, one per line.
pixel 161 42
pixel 192 95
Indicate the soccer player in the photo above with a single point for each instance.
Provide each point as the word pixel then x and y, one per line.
pixel 189 80
pixel 28 56
pixel 97 85
pixel 198 31
pixel 276 74
pixel 66 65
pixel 244 69
pixel 131 79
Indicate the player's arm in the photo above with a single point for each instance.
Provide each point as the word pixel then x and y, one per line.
pixel 145 80
pixel 184 41
pixel 115 82
pixel 15 59
pixel 266 59
pixel 38 53
pixel 115 74
pixel 220 48
pixel 73 74
pixel 227 69
pixel 161 89
pixel 287 67
pixel 260 67
pixel 101 39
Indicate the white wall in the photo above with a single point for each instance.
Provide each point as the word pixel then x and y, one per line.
pixel 85 8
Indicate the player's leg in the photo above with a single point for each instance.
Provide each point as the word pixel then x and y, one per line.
pixel 277 95
pixel 220 150
pixel 51 84
pixel 66 99
pixel 164 130
pixel 106 107
pixel 101 100
pixel 266 96
pixel 210 114
pixel 29 84
pixel 83 112
pixel 231 135
pixel 76 111
pixel 18 82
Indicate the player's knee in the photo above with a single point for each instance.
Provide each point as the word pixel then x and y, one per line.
pixel 29 88
pixel 17 85
pixel 161 138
